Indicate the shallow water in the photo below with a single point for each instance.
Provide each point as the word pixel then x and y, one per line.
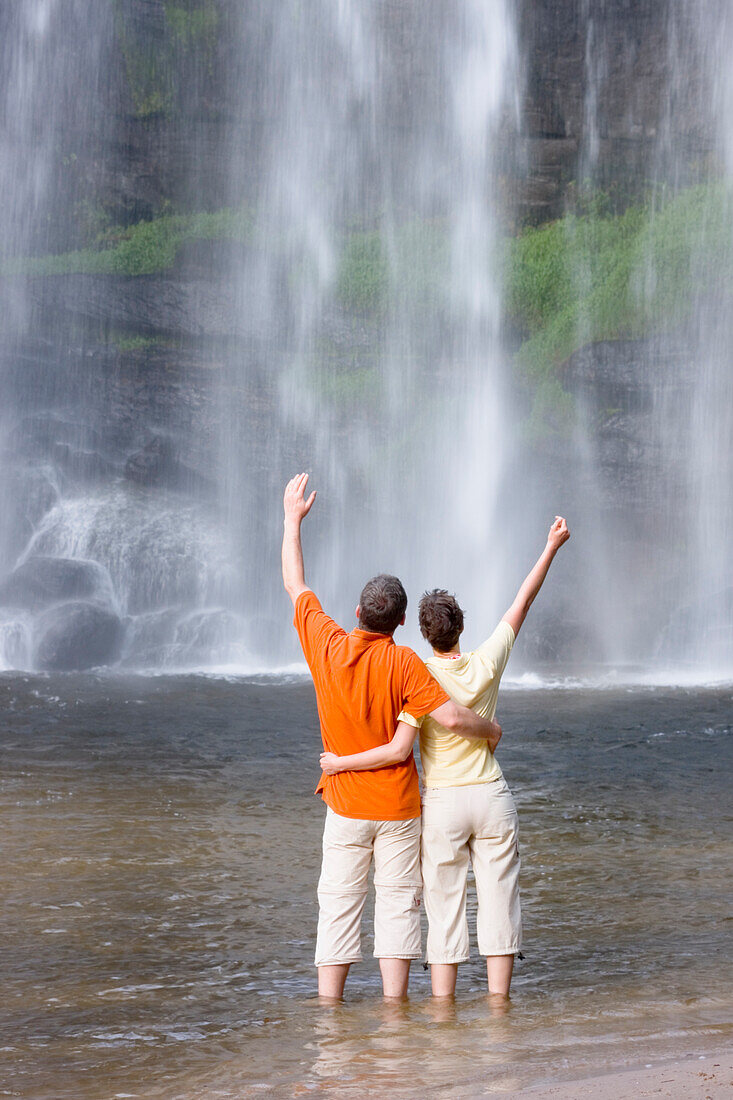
pixel 160 853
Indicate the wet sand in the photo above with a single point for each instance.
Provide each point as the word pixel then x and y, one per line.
pixel 694 1078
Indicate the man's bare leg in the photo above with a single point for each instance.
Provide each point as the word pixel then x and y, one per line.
pixel 499 969
pixel 331 981
pixel 395 976
pixel 443 979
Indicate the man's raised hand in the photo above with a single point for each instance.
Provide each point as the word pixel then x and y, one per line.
pixel 559 533
pixel 296 507
pixel 294 502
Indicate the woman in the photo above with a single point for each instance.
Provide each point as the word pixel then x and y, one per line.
pixel 468 810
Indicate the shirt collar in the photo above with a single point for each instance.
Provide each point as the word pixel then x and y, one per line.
pixel 371 636
pixel 447 662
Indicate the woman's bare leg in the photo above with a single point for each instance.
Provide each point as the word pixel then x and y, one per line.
pixel 395 976
pixel 443 979
pixel 499 969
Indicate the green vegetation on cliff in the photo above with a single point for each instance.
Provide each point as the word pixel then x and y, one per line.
pixel 597 275
pixel 404 267
pixel 143 249
pixel 156 65
pixel 194 24
pixel 363 276
pixel 602 276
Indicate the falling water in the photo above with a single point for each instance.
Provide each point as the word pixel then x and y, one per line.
pixel 51 118
pixel 657 581
pixel 341 311
pixel 392 394
pixel 706 616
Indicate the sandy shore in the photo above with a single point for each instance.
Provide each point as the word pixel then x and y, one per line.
pixel 693 1077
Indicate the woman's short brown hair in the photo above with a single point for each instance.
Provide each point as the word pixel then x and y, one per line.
pixel 441 619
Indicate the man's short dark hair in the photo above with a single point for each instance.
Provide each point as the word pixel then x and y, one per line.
pixel 441 619
pixel 382 604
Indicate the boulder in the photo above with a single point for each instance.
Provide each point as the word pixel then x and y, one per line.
pixel 40 582
pixel 76 636
pixel 29 494
pixel 207 630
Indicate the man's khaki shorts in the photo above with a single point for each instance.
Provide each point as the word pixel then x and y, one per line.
pixel 349 844
pixel 480 822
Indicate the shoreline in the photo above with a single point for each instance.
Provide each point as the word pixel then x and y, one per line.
pixel 707 1077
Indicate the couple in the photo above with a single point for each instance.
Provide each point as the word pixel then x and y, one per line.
pixel 372 697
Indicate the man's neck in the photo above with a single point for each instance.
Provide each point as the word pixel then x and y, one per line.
pixel 452 654
pixel 368 630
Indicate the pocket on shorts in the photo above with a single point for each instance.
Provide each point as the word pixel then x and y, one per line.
pixel 498 815
pixel 434 800
pixel 503 798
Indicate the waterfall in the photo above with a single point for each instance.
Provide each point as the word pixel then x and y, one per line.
pixel 238 240
pixel 51 117
pixel 656 580
pixel 356 331
pixel 702 628
pixel 392 394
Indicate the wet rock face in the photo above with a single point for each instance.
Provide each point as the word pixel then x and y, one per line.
pixel 622 48
pixel 619 387
pixel 206 139
pixel 157 465
pixel 40 582
pixel 76 636
pixel 158 304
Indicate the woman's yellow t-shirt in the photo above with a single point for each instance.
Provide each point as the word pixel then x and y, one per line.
pixel 473 681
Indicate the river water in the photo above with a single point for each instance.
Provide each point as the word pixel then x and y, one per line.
pixel 160 855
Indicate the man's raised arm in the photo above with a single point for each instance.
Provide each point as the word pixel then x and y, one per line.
pixel 532 583
pixel 296 509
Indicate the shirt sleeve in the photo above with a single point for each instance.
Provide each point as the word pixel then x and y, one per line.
pixel 495 650
pixel 420 692
pixel 315 628
pixel 403 716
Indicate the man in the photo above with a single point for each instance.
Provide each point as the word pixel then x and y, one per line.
pixel 468 810
pixel 363 681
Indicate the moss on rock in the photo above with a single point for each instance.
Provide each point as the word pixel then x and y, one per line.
pixel 142 249
pixel 605 276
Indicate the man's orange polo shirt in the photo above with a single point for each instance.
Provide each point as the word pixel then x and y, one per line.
pixel 362 682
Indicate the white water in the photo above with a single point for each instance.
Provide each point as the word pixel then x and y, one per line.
pixel 658 586
pixel 387 131
pixel 402 420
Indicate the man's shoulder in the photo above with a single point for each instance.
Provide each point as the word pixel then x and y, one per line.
pixel 308 596
pixel 405 655
pixel 309 615
pixel 409 666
